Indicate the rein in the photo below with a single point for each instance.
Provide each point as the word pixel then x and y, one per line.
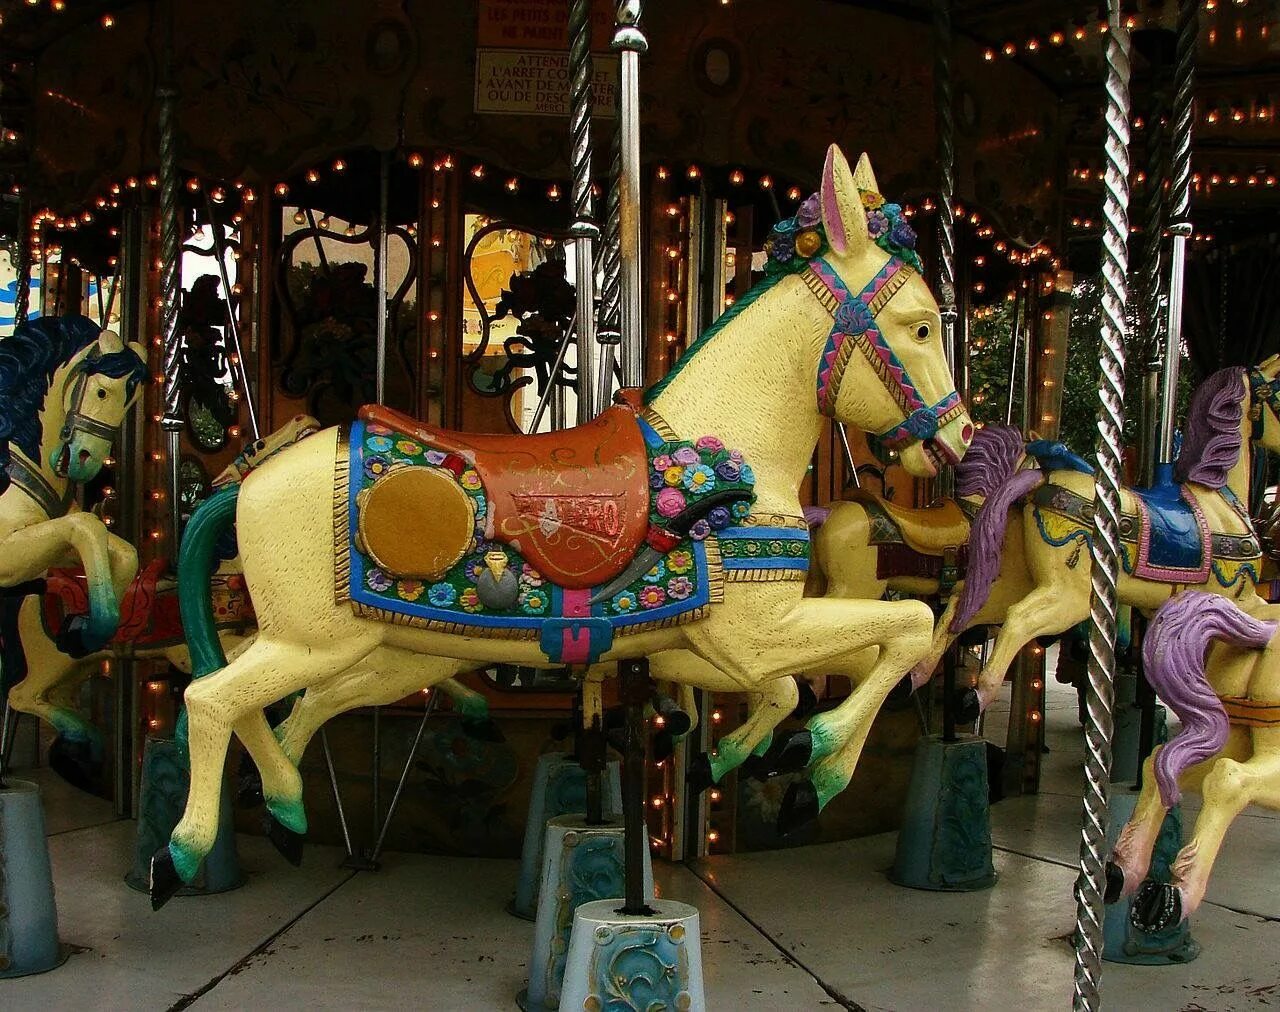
pixel 1263 391
pixel 855 327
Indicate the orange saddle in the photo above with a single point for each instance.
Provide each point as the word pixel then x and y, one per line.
pixel 573 503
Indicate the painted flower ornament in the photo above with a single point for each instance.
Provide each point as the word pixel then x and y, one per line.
pixel 800 238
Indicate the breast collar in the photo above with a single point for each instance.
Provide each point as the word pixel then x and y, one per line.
pixel 27 477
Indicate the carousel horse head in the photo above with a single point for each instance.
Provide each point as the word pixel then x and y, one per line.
pixel 888 331
pixel 1264 386
pixel 65 374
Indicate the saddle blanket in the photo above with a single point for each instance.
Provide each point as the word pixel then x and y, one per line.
pixel 1173 536
pixel 492 590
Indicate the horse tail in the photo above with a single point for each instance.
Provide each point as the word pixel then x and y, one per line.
pixel 1174 653
pixel 986 543
pixel 197 558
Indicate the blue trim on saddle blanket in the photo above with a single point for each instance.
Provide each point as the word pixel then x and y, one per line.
pixel 771 560
pixel 1055 456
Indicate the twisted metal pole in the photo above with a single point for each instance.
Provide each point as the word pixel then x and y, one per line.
pixel 942 100
pixel 1150 284
pixel 1105 545
pixel 1179 214
pixel 170 277
pixel 609 330
pixel 629 42
pixel 22 264
pixel 584 230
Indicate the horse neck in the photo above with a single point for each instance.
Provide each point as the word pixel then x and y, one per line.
pixel 753 386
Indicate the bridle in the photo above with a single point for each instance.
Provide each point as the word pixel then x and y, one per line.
pixel 1264 392
pixel 855 327
pixel 76 420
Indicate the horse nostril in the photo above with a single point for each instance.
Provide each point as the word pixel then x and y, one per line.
pixel 84 455
pixel 966 435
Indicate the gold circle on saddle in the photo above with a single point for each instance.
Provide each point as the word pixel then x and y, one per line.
pixel 416 522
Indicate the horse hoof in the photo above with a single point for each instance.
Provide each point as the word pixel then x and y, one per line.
pixel 808 700
pixel 699 776
pixel 799 807
pixel 73 761
pixel 901 692
pixel 1115 883
pixel 73 637
pixel 664 746
pixel 677 723
pixel 165 880
pixel 483 729
pixel 968 705
pixel 790 754
pixel 1157 906
pixel 285 840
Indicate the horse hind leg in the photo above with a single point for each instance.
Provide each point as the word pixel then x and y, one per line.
pixel 266 671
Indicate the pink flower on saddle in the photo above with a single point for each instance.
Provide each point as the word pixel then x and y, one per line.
pixel 470 479
pixel 710 444
pixel 686 455
pixel 679 587
pixel 661 462
pixel 652 597
pixel 670 502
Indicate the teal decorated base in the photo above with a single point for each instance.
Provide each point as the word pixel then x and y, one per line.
pixel 163 795
pixel 28 917
pixel 617 961
pixel 582 863
pixel 945 841
pixel 559 788
pixel 1121 941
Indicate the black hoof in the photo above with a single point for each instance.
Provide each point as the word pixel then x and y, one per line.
pixel 75 763
pixel 1045 642
pixel 901 692
pixel 285 840
pixel 1115 883
pixel 1157 906
pixel 808 701
pixel 483 729
pixel 678 723
pixel 790 753
pixel 71 638
pixel 664 745
pixel 968 705
pixel 165 880
pixel 699 776
pixel 755 767
pixel 799 807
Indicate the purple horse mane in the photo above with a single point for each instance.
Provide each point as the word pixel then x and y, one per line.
pixel 1211 444
pixel 1173 654
pixel 995 454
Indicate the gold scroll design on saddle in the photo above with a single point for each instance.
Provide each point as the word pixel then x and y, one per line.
pixel 929 531
pixel 394 511
pixel 597 516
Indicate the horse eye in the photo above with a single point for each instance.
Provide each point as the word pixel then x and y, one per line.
pixel 101 393
pixel 922 331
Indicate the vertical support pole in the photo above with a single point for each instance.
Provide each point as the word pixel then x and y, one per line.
pixel 1149 278
pixel 233 323
pixel 1179 215
pixel 1105 544
pixel 609 331
pixel 630 42
pixel 380 277
pixel 1014 344
pixel 942 100
pixel 635 691
pixel 584 230
pixel 170 274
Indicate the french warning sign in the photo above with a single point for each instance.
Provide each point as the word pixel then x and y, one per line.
pixel 535 82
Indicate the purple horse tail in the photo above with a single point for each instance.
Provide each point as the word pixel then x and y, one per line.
pixel 1173 654
pixel 993 473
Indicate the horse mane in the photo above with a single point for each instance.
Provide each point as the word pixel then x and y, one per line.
pixel 992 457
pixel 28 360
pixel 1211 444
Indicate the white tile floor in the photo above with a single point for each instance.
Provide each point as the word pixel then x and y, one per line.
pixel 808 928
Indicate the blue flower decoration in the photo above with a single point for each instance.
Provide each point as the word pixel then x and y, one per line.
pixel 740 509
pixel 379 444
pixel 748 475
pixel 854 317
pixel 718 518
pixel 903 234
pixel 625 601
pixel 375 465
pixel 442 594
pixel 656 573
pixel 699 530
pixel 377 580
pixel 782 245
pixel 656 481
pixel 699 479
pixel 729 470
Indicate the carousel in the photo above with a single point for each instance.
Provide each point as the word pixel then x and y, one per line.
pixel 456 540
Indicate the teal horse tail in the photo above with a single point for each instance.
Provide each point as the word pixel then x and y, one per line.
pixel 196 560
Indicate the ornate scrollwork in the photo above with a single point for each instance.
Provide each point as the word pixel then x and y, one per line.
pixel 639 969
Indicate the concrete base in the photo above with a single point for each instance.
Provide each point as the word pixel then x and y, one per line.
pixel 559 788
pixel 1121 941
pixel 582 863
pixel 945 840
pixel 620 961
pixel 28 917
pixel 162 797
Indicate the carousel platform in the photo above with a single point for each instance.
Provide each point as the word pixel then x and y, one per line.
pixel 818 927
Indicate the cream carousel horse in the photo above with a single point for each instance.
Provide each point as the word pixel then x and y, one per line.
pixel 65 385
pixel 1190 532
pixel 397 555
pixel 1218 669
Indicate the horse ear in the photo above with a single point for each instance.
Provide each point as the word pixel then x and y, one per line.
pixel 842 214
pixel 109 342
pixel 863 177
